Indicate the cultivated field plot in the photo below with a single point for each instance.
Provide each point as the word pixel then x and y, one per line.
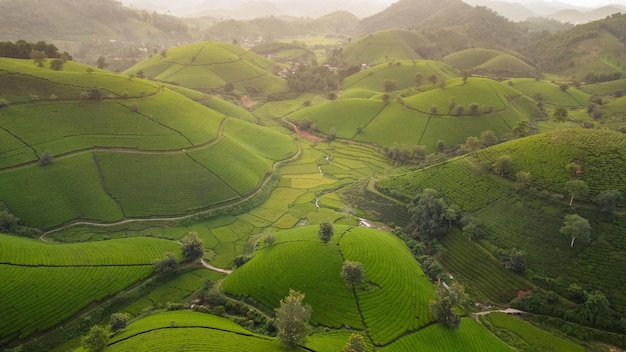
pixel 191 331
pixel 469 337
pixel 395 124
pixel 67 277
pixel 530 336
pixel 604 88
pixel 66 127
pixel 551 92
pixel 257 140
pixel 182 183
pixel 483 275
pixel 35 195
pixel 383 46
pixel 396 294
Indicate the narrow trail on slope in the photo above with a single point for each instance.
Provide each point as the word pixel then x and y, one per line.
pixel 211 267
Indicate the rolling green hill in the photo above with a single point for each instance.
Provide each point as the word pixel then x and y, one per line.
pixel 47 283
pixel 522 220
pixel 420 118
pixel 595 47
pixel 382 47
pixel 210 66
pixel 119 145
pixel 486 61
pixel 390 305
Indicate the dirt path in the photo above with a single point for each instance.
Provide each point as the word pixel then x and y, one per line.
pixel 211 267
pixel 304 134
pixel 509 311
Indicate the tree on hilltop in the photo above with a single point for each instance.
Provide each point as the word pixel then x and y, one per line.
pixel 101 63
pixel 191 246
pixel 326 231
pixel 39 57
pixel 576 226
pixel 292 319
pixel 352 272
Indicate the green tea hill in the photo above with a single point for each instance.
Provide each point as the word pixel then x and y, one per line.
pixel 530 220
pixel 210 66
pixel 487 61
pixel 442 107
pixel 46 284
pixel 96 146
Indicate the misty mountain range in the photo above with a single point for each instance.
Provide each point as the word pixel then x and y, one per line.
pixel 246 9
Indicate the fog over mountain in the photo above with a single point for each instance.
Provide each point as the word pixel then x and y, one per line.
pixel 514 10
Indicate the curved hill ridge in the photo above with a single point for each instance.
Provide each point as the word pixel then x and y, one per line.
pixel 489 61
pixel 112 149
pixel 211 66
pixel 384 46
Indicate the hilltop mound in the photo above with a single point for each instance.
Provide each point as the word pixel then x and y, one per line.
pixel 382 47
pixel 211 66
pixel 523 220
pixel 113 141
pixel 392 301
pixel 487 61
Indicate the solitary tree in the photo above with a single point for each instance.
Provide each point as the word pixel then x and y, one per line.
pixel 96 339
pixel 292 319
pixel 576 226
pixel 560 114
pixel 352 272
pixel 576 188
pixel 608 200
pixel 432 78
pixel 389 85
pixel 269 240
pixel 39 57
pixel 472 144
pixel 191 246
pixel 46 158
pixel 355 344
pixel 102 62
pixel 167 264
pixel 326 231
pixel 503 165
pixel 57 64
pixel 488 138
pixel 522 180
pixel 119 321
pixel 418 79
pixel 441 146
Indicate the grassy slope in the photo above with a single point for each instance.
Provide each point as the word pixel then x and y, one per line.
pixel 139 133
pixel 390 305
pixel 67 277
pixel 384 46
pixel 487 60
pixel 522 221
pixel 211 65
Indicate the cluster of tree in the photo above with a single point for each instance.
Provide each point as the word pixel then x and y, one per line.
pixel 593 77
pixel 10 223
pixel 513 259
pixel 191 248
pixel 313 79
pixel 595 312
pixel 22 49
pixel 431 217
pixel 442 306
pixel 404 154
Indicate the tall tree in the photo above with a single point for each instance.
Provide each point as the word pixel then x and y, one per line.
pixel 39 57
pixel 352 272
pixel 355 344
pixel 576 226
pixel 488 138
pixel 292 319
pixel 576 188
pixel 326 231
pixel 442 306
pixel 102 62
pixel 503 165
pixel 560 114
pixel 191 246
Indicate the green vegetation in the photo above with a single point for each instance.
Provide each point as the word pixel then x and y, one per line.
pixel 382 47
pixel 67 277
pixel 210 66
pixel 525 335
pixel 487 61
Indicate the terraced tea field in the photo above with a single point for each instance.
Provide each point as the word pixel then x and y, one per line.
pixel 46 283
